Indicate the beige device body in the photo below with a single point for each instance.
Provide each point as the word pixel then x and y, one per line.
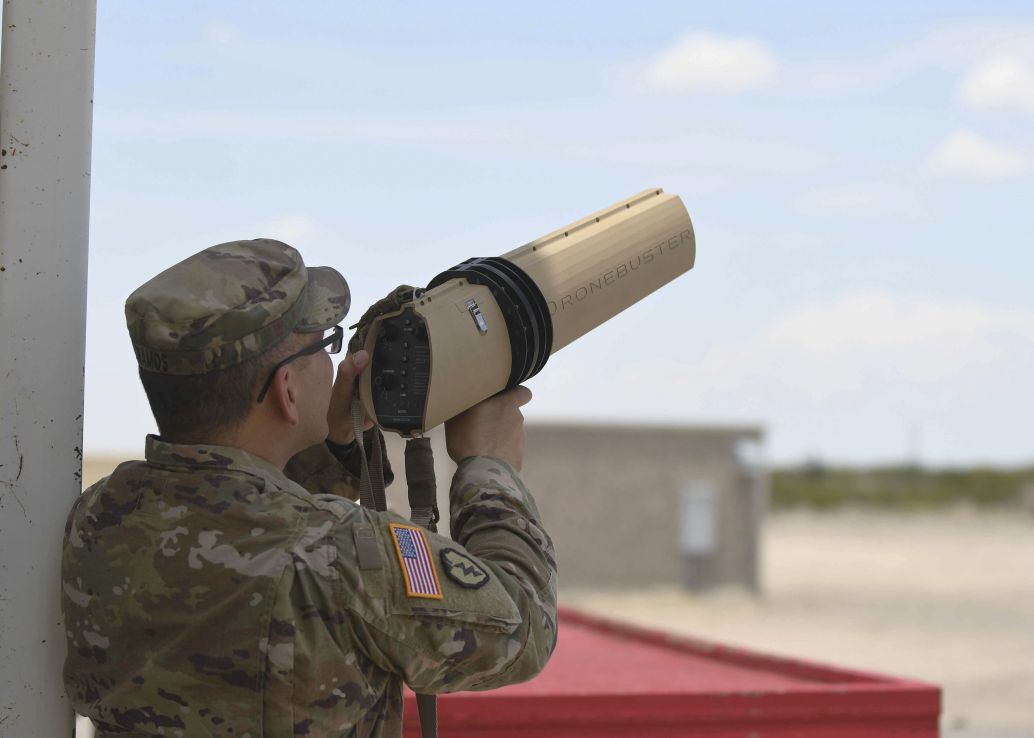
pixel 593 269
pixel 489 324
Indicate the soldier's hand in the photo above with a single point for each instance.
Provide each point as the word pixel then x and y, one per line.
pixel 339 415
pixel 493 427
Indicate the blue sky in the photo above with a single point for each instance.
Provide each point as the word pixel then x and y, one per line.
pixel 858 175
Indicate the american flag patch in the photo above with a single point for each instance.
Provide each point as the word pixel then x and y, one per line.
pixel 417 565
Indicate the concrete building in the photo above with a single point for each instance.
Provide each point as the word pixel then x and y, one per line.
pixel 632 506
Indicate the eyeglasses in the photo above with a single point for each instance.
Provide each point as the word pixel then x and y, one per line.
pixel 332 343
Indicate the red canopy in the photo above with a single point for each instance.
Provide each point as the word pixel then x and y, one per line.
pixel 608 679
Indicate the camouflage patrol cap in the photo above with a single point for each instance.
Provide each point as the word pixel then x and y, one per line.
pixel 229 303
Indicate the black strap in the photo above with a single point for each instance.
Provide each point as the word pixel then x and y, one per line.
pixel 427 708
pixel 423 499
pixel 371 482
pixel 423 506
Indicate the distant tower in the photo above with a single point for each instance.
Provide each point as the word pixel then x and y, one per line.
pixel 915 440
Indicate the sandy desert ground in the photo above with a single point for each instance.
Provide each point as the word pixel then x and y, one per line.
pixel 942 597
pixel 946 598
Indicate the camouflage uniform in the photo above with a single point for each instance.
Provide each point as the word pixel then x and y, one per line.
pixel 206 593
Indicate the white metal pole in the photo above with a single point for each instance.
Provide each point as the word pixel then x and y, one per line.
pixel 46 116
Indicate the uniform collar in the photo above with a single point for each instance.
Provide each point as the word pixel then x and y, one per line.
pixel 204 456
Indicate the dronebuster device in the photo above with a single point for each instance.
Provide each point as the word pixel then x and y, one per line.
pixel 488 324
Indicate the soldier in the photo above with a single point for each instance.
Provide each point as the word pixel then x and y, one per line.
pixel 205 592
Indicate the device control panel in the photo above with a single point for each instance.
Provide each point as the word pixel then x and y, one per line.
pixel 401 365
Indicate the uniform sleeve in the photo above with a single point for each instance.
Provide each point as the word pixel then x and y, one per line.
pixel 322 471
pixel 475 613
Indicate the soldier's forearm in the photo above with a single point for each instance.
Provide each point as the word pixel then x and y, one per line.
pixel 495 517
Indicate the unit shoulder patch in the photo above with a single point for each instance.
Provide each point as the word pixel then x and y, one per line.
pixel 418 569
pixel 462 569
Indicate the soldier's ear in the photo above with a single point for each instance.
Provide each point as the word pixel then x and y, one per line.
pixel 283 397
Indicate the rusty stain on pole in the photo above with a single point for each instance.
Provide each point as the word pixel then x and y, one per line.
pixel 46 115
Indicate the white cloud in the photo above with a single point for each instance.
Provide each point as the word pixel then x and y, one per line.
pixel 821 352
pixel 705 62
pixel 999 59
pixel 972 41
pixel 923 339
pixel 1002 83
pixel 849 379
pixel 965 153
pixel 947 47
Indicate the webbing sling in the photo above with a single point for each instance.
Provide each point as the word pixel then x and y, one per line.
pixel 423 511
